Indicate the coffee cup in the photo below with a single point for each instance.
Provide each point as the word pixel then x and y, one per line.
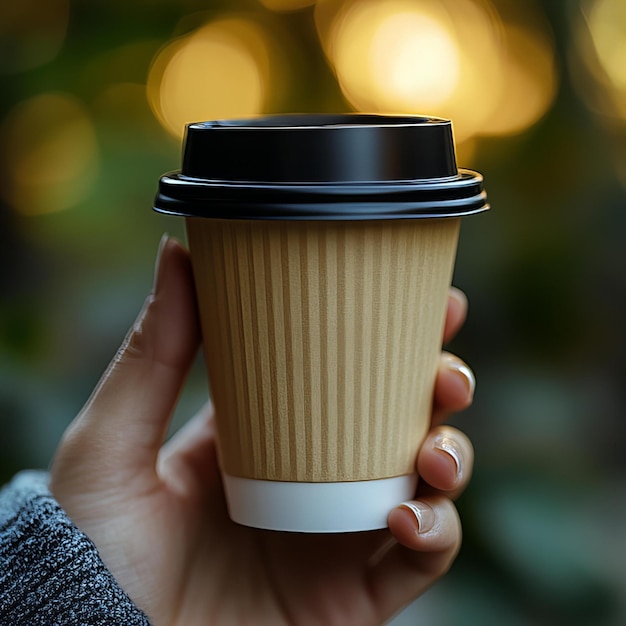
pixel 323 248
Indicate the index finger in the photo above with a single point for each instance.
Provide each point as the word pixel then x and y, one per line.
pixel 456 314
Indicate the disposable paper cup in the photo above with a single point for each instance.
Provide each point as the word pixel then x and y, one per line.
pixel 323 249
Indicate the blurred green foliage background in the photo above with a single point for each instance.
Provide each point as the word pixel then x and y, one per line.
pixel 93 101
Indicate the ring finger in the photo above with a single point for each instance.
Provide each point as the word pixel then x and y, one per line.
pixel 445 462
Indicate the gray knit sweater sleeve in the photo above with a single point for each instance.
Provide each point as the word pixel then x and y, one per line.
pixel 51 573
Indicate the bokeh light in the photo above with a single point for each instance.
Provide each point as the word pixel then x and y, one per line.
pixel 220 70
pixel 528 82
pixel 458 59
pixel 31 33
pixel 386 54
pixel 599 62
pixel 607 24
pixel 50 153
pixel 413 41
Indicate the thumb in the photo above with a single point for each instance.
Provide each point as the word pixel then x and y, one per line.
pixel 124 422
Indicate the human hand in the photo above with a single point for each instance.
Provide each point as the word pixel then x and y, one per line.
pixel 157 514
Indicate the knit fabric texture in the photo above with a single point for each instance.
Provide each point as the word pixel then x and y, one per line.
pixel 50 572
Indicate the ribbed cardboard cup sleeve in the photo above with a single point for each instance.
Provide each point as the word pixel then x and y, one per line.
pixel 321 341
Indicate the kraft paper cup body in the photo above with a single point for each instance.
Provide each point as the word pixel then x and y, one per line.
pixel 321 340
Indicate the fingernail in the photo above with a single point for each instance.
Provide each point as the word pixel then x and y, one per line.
pixel 424 515
pixel 450 447
pixel 456 365
pixel 459 296
pixel 157 264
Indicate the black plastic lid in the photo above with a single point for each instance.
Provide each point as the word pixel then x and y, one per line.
pixel 312 167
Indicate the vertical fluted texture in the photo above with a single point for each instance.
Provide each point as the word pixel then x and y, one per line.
pixel 321 341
